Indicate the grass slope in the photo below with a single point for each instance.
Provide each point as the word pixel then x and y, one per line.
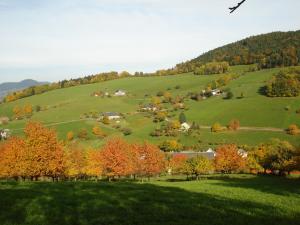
pixel 255 110
pixel 235 200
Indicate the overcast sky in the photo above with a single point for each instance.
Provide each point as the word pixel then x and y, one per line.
pixel 49 40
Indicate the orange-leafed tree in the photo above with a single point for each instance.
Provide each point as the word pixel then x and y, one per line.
pixel 116 158
pixel 152 160
pixel 228 159
pixel 12 162
pixel 18 112
pixel 176 163
pixel 75 162
pixel 234 124
pixel 28 110
pixel 94 167
pixel 70 136
pixel 43 152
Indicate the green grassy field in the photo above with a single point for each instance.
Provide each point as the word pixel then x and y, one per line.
pixel 215 200
pixel 255 110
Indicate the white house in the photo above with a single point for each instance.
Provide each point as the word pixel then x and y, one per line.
pixel 243 153
pixel 4 134
pixel 120 93
pixel 215 92
pixel 149 107
pixel 111 115
pixel 184 127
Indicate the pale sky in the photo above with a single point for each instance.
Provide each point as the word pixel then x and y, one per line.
pixel 50 40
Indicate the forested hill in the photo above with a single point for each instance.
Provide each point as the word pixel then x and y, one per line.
pixel 267 50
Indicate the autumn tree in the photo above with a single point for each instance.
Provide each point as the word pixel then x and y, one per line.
pixel 116 158
pixel 228 159
pixel 12 156
pixel 97 131
pixel 28 110
pixel 75 162
pixel 234 124
pixel 200 165
pixel 176 163
pixel 170 146
pixel 152 160
pixel 18 112
pixel 216 127
pixel 83 133
pixel 43 152
pixel 94 167
pixel 70 136
pixel 293 129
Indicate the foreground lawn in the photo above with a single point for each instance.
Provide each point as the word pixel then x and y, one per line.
pixel 238 199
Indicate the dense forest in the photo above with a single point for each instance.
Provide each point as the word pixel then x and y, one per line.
pixel 270 50
pixel 277 49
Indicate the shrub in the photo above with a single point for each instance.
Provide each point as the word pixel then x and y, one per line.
pixel 229 95
pixel 82 134
pixel 170 146
pixel 70 136
pixel 293 129
pixel 105 120
pixel 182 118
pixel 37 108
pixel 126 131
pixel 216 127
pixel 234 124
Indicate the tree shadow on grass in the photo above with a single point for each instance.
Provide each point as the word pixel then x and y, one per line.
pixel 128 203
pixel 265 183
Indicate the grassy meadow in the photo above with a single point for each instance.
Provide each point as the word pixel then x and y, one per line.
pixel 62 109
pixel 215 200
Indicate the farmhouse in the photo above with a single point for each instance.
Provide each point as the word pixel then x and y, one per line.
pixel 243 153
pixel 149 107
pixel 119 93
pixel 111 115
pixel 215 92
pixel 184 127
pixel 4 134
pixel 4 120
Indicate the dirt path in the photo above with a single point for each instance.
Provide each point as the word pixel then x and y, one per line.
pixel 272 129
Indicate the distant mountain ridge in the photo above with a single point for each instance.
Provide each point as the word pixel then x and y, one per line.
pixel 8 87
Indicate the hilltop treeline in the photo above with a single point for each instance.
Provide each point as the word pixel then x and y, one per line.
pixel 267 50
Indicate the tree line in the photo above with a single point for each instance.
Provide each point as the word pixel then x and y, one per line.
pixel 284 84
pixel 39 154
pixel 276 49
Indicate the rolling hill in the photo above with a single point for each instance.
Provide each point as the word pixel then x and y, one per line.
pixel 64 109
pixel 267 50
pixel 8 87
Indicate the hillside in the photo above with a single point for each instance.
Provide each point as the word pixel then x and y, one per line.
pixel 267 50
pixel 8 87
pixel 65 109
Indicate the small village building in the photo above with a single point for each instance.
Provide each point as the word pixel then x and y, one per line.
pixel 184 127
pixel 149 107
pixel 111 115
pixel 120 93
pixel 216 92
pixel 4 134
pixel 243 153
